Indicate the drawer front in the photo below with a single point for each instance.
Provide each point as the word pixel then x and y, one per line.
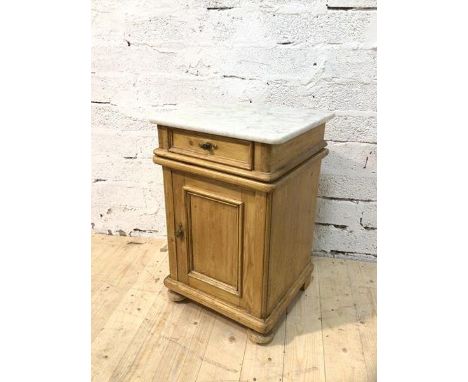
pixel 214 148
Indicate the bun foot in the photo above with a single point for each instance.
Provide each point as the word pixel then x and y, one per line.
pixel 175 297
pixel 258 338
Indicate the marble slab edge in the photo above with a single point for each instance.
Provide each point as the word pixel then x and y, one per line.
pixel 271 139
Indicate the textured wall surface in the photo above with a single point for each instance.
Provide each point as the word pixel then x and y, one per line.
pixel 309 53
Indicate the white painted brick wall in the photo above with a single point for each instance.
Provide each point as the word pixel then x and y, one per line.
pixel 308 53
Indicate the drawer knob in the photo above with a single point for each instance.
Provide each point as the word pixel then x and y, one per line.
pixel 207 146
pixel 180 232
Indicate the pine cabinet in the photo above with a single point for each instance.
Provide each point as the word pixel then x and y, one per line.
pixel 240 191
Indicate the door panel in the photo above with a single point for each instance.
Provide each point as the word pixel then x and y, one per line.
pixel 221 249
pixel 214 234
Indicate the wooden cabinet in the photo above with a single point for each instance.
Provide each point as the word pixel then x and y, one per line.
pixel 240 220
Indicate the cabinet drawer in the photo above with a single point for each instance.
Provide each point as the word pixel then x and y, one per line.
pixel 214 148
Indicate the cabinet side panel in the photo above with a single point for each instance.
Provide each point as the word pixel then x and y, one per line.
pixel 169 201
pixel 254 251
pixel 298 148
pixel 292 228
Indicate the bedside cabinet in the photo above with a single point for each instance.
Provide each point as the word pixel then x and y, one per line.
pixel 240 189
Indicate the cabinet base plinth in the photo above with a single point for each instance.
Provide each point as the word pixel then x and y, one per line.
pixel 260 325
pixel 307 280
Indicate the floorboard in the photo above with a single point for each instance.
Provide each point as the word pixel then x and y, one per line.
pixel 328 333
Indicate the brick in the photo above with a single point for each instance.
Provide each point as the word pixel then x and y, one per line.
pixel 107 28
pixel 328 28
pixel 338 212
pixel 109 117
pixel 352 3
pixel 142 172
pixel 275 62
pixel 136 59
pixel 288 6
pixel 370 257
pixel 353 215
pixel 351 157
pixel 369 215
pixel 133 91
pixel 107 88
pixel 147 90
pixel 220 4
pixel 153 28
pixel 344 95
pixel 123 194
pixel 324 95
pixel 263 26
pixel 348 186
pixel 353 126
pixel 130 221
pixel 260 63
pixel 329 238
pixel 138 144
pixel 350 64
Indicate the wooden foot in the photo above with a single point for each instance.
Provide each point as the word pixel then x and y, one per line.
pixel 176 297
pixel 307 282
pixel 258 338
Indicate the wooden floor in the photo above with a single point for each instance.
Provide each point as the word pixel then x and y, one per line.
pixel 328 334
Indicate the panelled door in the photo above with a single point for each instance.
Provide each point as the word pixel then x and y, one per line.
pixel 212 220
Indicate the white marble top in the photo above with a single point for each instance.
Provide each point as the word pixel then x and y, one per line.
pixel 268 123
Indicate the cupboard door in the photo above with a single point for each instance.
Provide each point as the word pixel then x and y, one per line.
pixel 210 222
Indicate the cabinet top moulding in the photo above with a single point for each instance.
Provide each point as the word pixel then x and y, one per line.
pixel 261 143
pixel 268 124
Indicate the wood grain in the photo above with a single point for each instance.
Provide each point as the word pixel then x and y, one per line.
pixel 233 152
pixel 304 145
pixel 362 279
pixel 253 160
pixel 208 171
pixel 224 353
pixel 304 357
pixel 343 351
pixel 211 252
pixel 215 245
pixel 145 337
pixel 292 219
pixel 237 247
pixel 265 363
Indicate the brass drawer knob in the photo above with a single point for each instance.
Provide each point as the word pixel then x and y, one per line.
pixel 208 146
